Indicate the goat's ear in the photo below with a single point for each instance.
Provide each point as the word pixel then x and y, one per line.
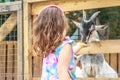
pixel 75 57
pixel 101 27
pixel 79 25
pixel 79 56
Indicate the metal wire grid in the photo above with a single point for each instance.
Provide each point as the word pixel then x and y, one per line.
pixel 8 50
pixel 1 1
pixel 13 34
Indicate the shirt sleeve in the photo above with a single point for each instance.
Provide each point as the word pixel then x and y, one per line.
pixel 67 40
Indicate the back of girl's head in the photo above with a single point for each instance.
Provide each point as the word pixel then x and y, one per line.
pixel 49 29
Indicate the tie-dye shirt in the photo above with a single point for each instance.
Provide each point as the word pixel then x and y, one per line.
pixel 50 64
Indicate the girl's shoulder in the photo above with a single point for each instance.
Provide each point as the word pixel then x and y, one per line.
pixel 66 41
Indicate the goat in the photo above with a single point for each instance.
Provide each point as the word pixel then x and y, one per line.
pixel 93 65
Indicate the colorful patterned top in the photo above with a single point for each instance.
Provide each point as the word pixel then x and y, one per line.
pixel 50 64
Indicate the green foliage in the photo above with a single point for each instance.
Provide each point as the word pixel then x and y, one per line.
pixel 76 15
pixel 1 1
pixel 112 16
pixel 3 18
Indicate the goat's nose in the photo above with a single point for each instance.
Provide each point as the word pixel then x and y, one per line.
pixel 85 42
pixel 91 71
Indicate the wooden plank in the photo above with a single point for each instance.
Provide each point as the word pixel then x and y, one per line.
pixel 84 79
pixel 8 26
pixel 36 78
pixel 89 78
pixel 9 6
pixel 15 63
pixel 72 5
pixel 113 61
pixel 37 61
pixel 30 41
pixel 107 58
pixel 20 54
pixel 27 25
pixel 99 79
pixel 10 3
pixel 9 61
pixel 2 60
pixel 119 64
pixel 37 67
pixel 33 1
pixel 101 47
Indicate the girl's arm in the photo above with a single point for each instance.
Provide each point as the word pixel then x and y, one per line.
pixel 78 46
pixel 64 62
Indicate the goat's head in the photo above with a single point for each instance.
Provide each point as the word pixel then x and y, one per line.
pixel 88 28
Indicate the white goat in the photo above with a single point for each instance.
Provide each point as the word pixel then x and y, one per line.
pixel 93 65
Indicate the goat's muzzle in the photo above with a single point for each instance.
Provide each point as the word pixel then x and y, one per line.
pixel 92 70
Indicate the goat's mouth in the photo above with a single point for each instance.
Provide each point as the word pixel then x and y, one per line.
pixel 84 40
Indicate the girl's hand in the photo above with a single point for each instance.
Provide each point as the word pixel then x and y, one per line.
pixel 78 46
pixel 82 45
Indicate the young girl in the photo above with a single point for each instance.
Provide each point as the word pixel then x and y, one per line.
pixel 50 40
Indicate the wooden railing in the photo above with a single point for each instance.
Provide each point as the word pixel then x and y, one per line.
pixel 113 59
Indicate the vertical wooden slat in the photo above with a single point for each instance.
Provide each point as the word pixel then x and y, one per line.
pixel 37 66
pixel 113 61
pixel 119 64
pixel 107 58
pixel 86 79
pixel 37 60
pixel 36 78
pixel 20 43
pixel 33 65
pixel 2 60
pixel 9 60
pixel 15 58
pixel 26 65
pixel 27 39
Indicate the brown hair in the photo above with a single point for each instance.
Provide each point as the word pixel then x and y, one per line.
pixel 49 30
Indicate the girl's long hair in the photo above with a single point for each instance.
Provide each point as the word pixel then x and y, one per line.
pixel 49 30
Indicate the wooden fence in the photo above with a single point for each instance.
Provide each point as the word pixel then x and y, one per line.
pixel 112 59
pixel 8 60
pixel 32 8
pixel 11 41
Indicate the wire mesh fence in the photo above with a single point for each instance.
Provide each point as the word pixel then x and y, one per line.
pixel 8 30
pixel 2 1
pixel 8 60
pixel 8 47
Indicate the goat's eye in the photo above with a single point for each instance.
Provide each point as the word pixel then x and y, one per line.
pixel 91 28
pixel 81 31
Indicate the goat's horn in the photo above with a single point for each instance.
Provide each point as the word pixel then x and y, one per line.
pixel 94 15
pixel 84 15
